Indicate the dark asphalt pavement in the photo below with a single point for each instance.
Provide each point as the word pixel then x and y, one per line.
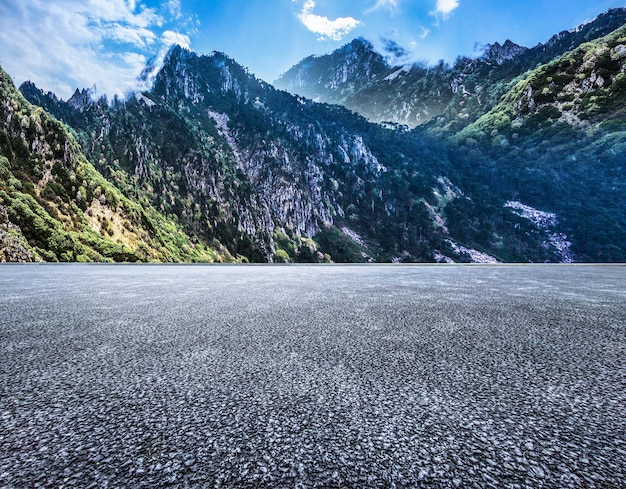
pixel 312 376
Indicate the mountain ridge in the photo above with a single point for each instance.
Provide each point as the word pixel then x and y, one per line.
pixel 351 202
pixel 264 175
pixel 55 206
pixel 445 96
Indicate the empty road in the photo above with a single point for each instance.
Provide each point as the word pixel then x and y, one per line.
pixel 139 376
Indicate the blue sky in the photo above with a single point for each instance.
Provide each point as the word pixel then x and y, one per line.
pixel 64 44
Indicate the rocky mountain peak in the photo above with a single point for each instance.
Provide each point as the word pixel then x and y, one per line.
pixel 500 53
pixel 333 77
pixel 201 78
pixel 29 89
pixel 81 99
pixel 358 44
pixel 177 54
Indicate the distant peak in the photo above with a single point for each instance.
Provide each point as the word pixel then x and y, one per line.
pixel 30 89
pixel 362 41
pixel 81 98
pixel 359 43
pixel 28 85
pixel 177 52
pixel 500 53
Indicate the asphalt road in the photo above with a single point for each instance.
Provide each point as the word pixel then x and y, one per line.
pixel 310 376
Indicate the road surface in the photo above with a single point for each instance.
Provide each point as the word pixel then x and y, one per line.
pixel 312 376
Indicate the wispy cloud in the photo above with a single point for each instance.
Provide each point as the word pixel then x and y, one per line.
pixel 170 38
pixel 445 7
pixel 391 5
pixel 173 6
pixel 68 44
pixel 334 29
pixel 395 53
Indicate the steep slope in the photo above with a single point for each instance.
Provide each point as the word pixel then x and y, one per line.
pixel 335 77
pixel 232 157
pixel 277 177
pixel 446 97
pixel 55 206
pixel 557 139
pixel 584 89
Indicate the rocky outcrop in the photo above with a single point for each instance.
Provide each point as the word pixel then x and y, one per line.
pixel 81 99
pixel 501 53
pixel 13 245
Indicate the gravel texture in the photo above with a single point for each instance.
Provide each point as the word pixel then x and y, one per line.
pixel 312 376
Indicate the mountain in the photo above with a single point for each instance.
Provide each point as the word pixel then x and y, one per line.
pixel 447 97
pixel 584 88
pixel 502 53
pixel 528 170
pixel 235 160
pixel 560 135
pixel 335 77
pixel 275 177
pixel 540 126
pixel 55 206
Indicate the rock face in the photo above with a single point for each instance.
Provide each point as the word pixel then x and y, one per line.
pixel 80 100
pixel 500 54
pixel 13 245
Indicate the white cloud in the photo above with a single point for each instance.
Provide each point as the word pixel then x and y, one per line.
pixel 135 59
pixel 136 36
pixel 173 7
pixel 446 6
pixel 325 27
pixel 69 44
pixel 391 5
pixel 119 11
pixel 170 38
